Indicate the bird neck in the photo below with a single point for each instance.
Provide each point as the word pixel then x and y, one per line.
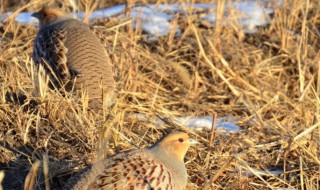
pixel 46 23
pixel 172 161
pixel 166 153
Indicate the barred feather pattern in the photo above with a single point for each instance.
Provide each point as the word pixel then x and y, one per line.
pixel 143 169
pixel 130 172
pixel 74 59
pixel 50 52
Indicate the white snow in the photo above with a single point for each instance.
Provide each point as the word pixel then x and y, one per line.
pixel 224 125
pixel 152 21
pixel 253 14
pixel 25 18
pixel 264 172
pixel 156 19
pixel 205 122
pixel 108 12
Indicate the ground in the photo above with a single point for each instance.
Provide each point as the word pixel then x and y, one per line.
pixel 269 81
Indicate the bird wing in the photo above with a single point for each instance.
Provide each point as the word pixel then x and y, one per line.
pixel 126 172
pixel 51 53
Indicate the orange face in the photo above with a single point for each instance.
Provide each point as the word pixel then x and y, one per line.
pixel 47 15
pixel 177 144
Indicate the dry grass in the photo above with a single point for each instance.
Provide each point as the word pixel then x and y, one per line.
pixel 269 80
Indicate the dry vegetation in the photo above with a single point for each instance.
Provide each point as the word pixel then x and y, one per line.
pixel 268 80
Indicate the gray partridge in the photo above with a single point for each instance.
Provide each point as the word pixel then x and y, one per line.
pixel 160 166
pixel 72 57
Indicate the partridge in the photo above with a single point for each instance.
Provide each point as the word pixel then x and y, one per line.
pixel 73 58
pixel 160 166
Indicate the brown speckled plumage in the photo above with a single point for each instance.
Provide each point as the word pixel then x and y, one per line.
pixel 160 166
pixel 73 58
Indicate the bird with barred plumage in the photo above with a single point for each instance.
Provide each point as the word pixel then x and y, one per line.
pixel 70 58
pixel 160 166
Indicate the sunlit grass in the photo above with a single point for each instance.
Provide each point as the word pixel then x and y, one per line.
pixel 268 80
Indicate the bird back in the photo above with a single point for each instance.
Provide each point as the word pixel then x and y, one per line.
pixel 74 58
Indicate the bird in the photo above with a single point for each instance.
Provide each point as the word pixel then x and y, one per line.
pixel 160 166
pixel 72 58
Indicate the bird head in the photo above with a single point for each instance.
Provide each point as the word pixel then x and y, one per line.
pixel 48 15
pixel 175 144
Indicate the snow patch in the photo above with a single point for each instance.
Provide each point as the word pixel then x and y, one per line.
pixel 224 125
pixel 156 19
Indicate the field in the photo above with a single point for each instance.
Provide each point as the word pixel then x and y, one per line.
pixel 269 81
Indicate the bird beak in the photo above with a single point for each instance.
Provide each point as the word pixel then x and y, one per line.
pixel 36 15
pixel 193 141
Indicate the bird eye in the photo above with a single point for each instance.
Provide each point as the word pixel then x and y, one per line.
pixel 180 140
